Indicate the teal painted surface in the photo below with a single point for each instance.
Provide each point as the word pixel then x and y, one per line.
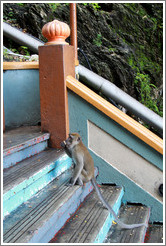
pixel 47 231
pixel 35 140
pixel 19 152
pixel 108 222
pixel 14 158
pixel 25 190
pixel 79 112
pixel 21 97
pixel 132 192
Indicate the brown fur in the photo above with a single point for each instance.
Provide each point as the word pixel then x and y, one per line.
pixel 81 157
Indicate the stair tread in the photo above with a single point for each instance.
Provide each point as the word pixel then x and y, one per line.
pixel 23 220
pixel 15 175
pixel 129 215
pixel 85 224
pixel 27 219
pixel 17 139
pixel 154 234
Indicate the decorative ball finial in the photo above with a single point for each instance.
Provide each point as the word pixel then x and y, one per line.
pixel 56 32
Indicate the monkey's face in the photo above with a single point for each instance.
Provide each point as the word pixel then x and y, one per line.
pixel 72 140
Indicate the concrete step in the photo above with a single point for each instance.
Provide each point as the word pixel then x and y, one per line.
pixel 42 216
pixel 130 215
pixel 154 234
pixel 21 143
pixel 91 222
pixel 25 179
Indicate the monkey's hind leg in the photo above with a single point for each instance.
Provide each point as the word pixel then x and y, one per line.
pixel 77 172
pixel 84 176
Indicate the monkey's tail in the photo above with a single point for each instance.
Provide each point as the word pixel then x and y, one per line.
pixel 121 224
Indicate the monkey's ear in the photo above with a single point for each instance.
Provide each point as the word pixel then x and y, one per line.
pixel 78 139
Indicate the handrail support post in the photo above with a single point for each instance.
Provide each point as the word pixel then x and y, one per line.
pixel 56 62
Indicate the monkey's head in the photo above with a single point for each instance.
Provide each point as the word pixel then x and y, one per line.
pixel 71 141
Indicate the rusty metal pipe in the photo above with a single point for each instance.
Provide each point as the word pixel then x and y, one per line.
pixel 73 28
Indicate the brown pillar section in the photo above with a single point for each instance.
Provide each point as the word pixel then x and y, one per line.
pixel 3 119
pixel 56 62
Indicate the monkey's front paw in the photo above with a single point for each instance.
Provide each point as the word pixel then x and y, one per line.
pixel 63 144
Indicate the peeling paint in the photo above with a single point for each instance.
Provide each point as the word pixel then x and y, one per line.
pixel 22 154
pixel 29 187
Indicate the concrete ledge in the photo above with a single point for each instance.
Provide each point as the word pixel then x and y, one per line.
pixel 21 143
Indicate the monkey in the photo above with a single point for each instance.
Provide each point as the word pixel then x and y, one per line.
pixel 84 172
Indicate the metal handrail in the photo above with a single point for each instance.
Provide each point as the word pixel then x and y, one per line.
pixel 21 38
pixel 112 91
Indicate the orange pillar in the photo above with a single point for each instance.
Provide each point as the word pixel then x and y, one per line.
pixel 56 62
pixel 73 27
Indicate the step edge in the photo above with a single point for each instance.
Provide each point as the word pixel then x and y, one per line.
pixel 142 229
pixel 53 220
pixel 47 168
pixel 64 159
pixel 78 195
pixel 110 219
pixel 146 228
pixel 104 215
pixel 15 158
pixel 149 234
pixel 26 144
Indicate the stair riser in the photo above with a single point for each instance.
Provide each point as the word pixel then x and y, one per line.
pixel 109 220
pixel 25 190
pixel 14 158
pixel 56 222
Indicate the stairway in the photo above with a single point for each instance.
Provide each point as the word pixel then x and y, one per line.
pixel 39 206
